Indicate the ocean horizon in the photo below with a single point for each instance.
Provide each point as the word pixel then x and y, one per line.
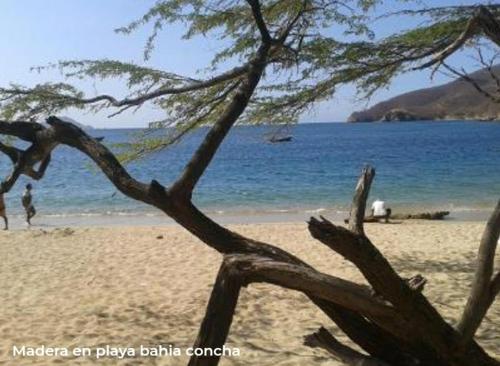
pixel 421 166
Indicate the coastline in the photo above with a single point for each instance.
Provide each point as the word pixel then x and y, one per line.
pixel 141 219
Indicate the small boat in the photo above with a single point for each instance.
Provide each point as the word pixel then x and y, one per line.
pixel 282 134
pixel 275 139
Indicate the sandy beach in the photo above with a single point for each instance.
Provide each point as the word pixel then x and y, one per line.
pixel 133 286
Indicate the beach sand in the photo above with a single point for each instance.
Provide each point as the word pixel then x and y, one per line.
pixel 124 286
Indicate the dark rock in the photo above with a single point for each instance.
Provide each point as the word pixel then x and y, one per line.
pixel 399 115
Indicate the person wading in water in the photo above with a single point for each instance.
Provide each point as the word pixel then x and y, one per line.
pixel 28 203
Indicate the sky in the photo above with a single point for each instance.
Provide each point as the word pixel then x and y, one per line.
pixel 34 33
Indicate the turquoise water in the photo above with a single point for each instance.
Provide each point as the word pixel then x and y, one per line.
pixel 434 165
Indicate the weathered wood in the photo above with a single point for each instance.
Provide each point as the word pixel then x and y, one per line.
pixel 348 304
pixel 495 287
pixel 325 340
pixel 429 327
pixel 482 21
pixel 416 283
pixel 432 215
pixel 356 297
pixel 24 161
pixel 371 338
pixel 480 297
pixel 219 315
pixel 358 206
pixel 194 169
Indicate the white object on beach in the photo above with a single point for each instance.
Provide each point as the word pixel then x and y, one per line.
pixel 378 208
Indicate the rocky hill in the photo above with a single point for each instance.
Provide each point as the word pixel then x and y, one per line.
pixel 457 100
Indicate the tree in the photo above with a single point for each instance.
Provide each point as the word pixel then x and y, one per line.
pixel 391 320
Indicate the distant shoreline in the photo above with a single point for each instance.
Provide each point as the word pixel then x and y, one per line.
pixel 159 219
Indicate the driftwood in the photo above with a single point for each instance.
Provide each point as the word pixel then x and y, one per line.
pixel 433 215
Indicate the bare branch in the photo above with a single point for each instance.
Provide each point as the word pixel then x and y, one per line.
pixel 284 34
pixel 480 296
pixel 470 30
pixel 69 134
pixel 200 160
pixel 24 130
pixel 483 21
pixel 38 174
pixel 489 25
pixel 246 269
pixel 489 66
pixel 259 20
pixel 219 315
pixel 463 74
pixel 324 339
pixel 495 287
pixel 24 161
pixel 412 305
pixel 300 278
pixel 12 152
pixel 359 200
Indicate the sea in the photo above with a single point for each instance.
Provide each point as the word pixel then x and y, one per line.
pixel 420 166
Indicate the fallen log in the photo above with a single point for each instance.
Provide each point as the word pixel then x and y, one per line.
pixel 433 215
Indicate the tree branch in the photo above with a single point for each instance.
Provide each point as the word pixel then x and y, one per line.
pixel 483 20
pixel 219 315
pixel 490 25
pixel 470 30
pixel 358 206
pixel 24 161
pixel 495 287
pixel 61 132
pixel 433 331
pixel 348 294
pixel 489 66
pixel 324 339
pixel 127 102
pixel 38 174
pixel 372 338
pixel 26 131
pixel 245 269
pixel 259 20
pixel 480 297
pixel 200 160
pixel 71 135
pixel 474 83
pixel 12 152
pixel 284 35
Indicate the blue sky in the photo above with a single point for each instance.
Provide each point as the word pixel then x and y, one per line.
pixel 34 32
